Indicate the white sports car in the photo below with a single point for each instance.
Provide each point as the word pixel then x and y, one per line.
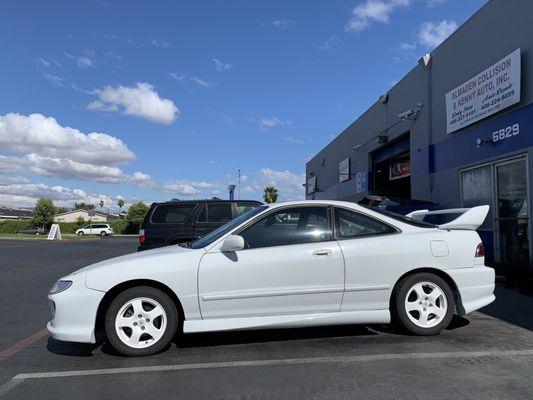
pixel 291 264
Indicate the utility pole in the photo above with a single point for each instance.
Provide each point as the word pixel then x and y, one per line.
pixel 239 186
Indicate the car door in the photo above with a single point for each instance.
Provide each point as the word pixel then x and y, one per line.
pixel 375 255
pixel 88 230
pixel 290 265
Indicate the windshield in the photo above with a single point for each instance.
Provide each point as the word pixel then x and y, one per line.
pixel 219 232
pixel 400 217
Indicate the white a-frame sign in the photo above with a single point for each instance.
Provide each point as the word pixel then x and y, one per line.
pixel 55 232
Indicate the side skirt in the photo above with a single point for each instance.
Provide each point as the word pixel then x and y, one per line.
pixel 288 321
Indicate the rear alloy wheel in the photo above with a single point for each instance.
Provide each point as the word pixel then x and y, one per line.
pixel 103 233
pixel 424 304
pixel 141 321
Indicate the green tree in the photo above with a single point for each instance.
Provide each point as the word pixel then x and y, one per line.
pixel 44 213
pixel 83 206
pixel 61 210
pixel 136 214
pixel 120 203
pixel 101 204
pixel 271 194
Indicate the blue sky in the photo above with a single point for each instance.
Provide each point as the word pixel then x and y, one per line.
pixel 150 100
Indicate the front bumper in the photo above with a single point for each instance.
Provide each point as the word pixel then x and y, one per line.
pixel 475 286
pixel 74 312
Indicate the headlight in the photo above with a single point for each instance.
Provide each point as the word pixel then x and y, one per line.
pixel 60 286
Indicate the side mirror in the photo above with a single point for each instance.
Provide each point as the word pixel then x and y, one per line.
pixel 233 243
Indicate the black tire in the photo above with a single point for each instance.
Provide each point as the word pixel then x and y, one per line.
pixel 81 233
pixel 103 233
pixel 400 314
pixel 147 292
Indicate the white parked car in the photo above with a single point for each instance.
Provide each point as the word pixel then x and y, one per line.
pixel 292 264
pixel 95 229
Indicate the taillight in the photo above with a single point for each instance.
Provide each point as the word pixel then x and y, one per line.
pixel 480 250
pixel 142 238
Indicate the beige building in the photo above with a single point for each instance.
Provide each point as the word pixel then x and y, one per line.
pixel 74 215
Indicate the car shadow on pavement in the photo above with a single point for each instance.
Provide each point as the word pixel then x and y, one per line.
pixel 269 335
pixel 511 306
pixel 70 348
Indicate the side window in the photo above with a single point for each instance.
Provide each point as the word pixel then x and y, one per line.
pixel 351 224
pixel 171 213
pixel 219 212
pixel 289 226
pixel 242 208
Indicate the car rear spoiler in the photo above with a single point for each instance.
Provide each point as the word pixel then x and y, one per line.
pixel 469 220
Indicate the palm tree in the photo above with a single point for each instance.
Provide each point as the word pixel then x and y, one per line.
pixel 271 194
pixel 101 204
pixel 120 203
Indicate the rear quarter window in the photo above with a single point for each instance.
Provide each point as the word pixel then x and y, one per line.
pixel 171 213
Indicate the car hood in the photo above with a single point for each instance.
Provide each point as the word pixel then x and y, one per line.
pixel 136 258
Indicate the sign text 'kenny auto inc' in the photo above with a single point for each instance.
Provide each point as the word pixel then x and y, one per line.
pixel 488 92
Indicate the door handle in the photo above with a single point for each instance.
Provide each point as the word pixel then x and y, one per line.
pixel 322 252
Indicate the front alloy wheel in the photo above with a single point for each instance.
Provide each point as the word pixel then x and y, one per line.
pixel 141 321
pixel 423 304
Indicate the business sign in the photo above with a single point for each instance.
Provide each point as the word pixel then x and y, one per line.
pixel 311 185
pixel 490 91
pixel 400 167
pixel 344 170
pixel 361 182
pixel 55 232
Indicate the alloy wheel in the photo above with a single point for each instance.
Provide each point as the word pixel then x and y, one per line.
pixel 426 304
pixel 141 322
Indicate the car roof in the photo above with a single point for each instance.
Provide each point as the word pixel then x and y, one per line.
pixel 205 201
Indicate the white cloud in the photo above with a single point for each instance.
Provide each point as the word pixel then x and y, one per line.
pixel 328 43
pixel 406 47
pixel 282 23
pixel 434 3
pixel 25 194
pixel 140 100
pixel 288 183
pixel 46 148
pixel 42 62
pixel 272 122
pixel 201 82
pixel 85 60
pixel 195 79
pixel 187 188
pixel 46 62
pixel 431 34
pixel 54 79
pixel 43 135
pixel 160 43
pixel 176 76
pixel 141 179
pixel 291 139
pixel 220 66
pixel 370 11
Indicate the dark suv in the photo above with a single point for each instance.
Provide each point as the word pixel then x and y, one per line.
pixel 175 222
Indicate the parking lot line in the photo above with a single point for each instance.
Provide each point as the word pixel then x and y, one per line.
pixel 285 361
pixel 21 345
pixel 20 378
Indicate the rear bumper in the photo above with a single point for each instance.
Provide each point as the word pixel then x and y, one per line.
pixel 475 286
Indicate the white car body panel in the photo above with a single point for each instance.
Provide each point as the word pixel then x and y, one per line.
pixel 294 279
pixel 345 281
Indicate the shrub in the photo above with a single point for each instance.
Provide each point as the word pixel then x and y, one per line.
pixel 14 226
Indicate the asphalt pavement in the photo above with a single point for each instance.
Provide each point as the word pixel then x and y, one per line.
pixel 487 355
